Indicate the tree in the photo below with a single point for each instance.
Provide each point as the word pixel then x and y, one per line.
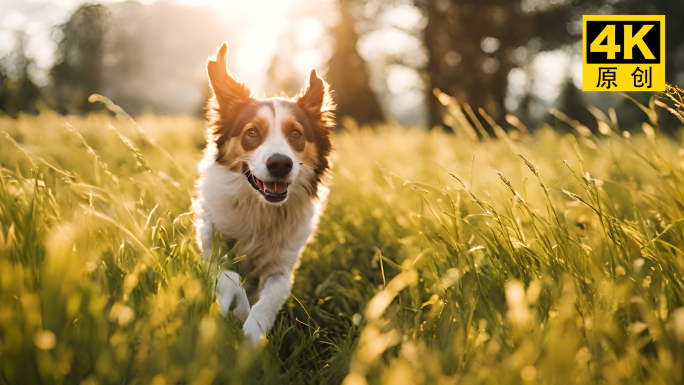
pixel 472 46
pixel 347 74
pixel 18 92
pixel 77 72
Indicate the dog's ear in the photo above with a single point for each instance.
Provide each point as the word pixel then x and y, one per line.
pixel 228 92
pixel 316 100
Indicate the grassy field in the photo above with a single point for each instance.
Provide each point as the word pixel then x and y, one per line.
pixel 441 259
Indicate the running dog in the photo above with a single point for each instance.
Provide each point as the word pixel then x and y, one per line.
pixel 263 185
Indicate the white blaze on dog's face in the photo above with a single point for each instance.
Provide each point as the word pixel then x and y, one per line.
pixel 277 143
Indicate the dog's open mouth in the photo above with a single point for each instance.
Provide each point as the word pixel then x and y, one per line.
pixel 272 191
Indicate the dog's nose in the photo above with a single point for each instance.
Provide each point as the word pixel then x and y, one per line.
pixel 279 165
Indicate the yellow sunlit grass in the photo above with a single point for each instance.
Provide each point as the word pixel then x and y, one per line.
pixel 441 259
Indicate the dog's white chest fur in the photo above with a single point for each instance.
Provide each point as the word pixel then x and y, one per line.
pixel 272 237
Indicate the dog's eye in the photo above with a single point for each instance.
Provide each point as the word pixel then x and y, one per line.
pixel 252 132
pixel 295 134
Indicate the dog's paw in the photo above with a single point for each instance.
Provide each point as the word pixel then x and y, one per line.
pixel 231 296
pixel 253 332
pixel 227 297
pixel 226 303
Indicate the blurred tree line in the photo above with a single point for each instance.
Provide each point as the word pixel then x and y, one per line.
pixel 79 65
pixel 18 93
pixel 128 51
pixel 474 44
pixel 76 74
pixel 471 46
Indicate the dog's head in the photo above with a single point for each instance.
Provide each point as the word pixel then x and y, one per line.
pixel 277 143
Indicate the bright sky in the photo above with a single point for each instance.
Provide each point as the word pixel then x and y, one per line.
pixel 255 27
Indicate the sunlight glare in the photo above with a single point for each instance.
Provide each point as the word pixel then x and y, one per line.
pixel 253 28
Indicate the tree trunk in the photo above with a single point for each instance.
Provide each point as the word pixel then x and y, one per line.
pixel 347 74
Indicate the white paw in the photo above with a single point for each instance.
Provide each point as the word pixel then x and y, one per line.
pixel 253 331
pixel 231 296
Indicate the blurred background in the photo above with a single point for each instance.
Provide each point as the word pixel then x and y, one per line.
pixel 383 58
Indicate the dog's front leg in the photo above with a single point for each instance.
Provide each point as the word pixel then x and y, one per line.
pixel 271 299
pixel 231 294
pixel 206 238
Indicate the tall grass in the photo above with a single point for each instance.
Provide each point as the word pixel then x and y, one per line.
pixel 441 258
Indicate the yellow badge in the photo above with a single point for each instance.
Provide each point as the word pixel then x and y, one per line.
pixel 623 53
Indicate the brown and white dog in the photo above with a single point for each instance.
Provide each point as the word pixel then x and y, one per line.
pixel 263 183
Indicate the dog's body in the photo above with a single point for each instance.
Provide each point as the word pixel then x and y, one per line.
pixel 262 183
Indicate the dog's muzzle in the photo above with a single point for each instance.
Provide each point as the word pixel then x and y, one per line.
pixel 274 192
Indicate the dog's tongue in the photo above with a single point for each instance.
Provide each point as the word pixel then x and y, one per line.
pixel 275 186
